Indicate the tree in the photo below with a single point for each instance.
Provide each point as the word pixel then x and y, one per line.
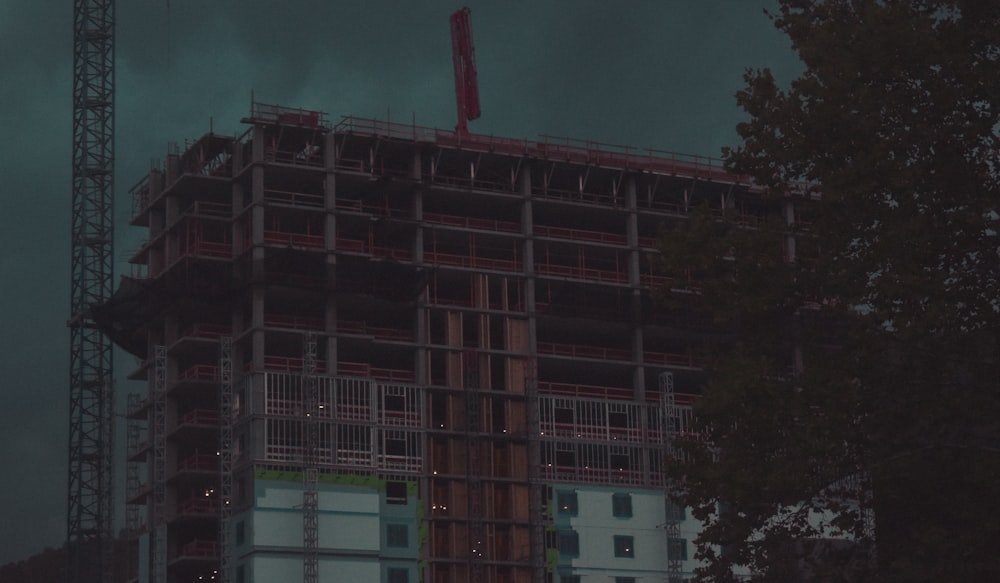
pixel 858 371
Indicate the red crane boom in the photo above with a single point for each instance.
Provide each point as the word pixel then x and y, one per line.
pixel 463 55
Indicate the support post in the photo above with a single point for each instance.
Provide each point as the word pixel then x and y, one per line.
pixel 132 520
pixel 672 420
pixel 159 548
pixel 310 495
pixel 90 488
pixel 225 458
pixel 473 429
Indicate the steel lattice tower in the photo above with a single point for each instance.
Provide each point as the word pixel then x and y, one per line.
pixel 90 519
pixel 672 421
pixel 225 458
pixel 310 493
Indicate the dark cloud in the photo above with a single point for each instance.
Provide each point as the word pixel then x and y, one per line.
pixel 647 73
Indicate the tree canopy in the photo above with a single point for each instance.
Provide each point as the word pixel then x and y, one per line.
pixel 858 372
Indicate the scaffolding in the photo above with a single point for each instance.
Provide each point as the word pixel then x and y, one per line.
pixel 536 507
pixel 226 574
pixel 159 546
pixel 601 441
pixel 90 514
pixel 310 494
pixel 473 428
pixel 672 416
pixel 361 424
pixel 133 429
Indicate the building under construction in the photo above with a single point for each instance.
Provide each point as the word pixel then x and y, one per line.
pixel 381 352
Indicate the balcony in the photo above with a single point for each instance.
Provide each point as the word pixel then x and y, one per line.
pixel 197 552
pixel 198 507
pixel 198 463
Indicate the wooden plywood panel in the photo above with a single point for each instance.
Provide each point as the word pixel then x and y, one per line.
pixel 501 461
pixel 456 457
pixel 503 503
pixel 459 499
pixel 480 291
pixel 516 335
pixel 453 358
pixel 519 496
pixel 441 540
pixel 521 542
pixel 517 417
pixel 456 415
pixel 519 461
pixel 502 543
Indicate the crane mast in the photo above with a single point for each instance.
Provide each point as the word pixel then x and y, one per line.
pixel 90 500
pixel 464 58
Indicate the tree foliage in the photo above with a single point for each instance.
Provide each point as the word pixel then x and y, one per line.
pixel 860 366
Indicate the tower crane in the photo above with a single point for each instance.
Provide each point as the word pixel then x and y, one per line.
pixel 90 499
pixel 464 58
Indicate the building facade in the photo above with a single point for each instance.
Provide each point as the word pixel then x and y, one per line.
pixel 380 352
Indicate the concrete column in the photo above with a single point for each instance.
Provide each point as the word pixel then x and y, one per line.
pixel 171 240
pixel 157 222
pixel 329 351
pixel 236 201
pixel 156 219
pixel 257 255
pixel 173 168
pixel 535 508
pixel 420 364
pixel 635 282
pixel 528 249
pixel 238 233
pixel 257 212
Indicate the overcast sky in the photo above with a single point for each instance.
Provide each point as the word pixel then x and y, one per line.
pixel 659 74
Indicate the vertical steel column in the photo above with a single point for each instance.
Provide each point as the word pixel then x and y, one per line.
pixel 90 499
pixel 225 458
pixel 310 495
pixel 132 468
pixel 535 506
pixel 132 521
pixel 672 420
pixel 159 547
pixel 473 428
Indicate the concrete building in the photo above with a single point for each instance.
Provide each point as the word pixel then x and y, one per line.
pixel 381 352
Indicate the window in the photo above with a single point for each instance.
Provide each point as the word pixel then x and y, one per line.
pixel 566 503
pixel 620 461
pixel 624 579
pixel 398 575
pixel 241 574
pixel 241 532
pixel 678 548
pixel 621 505
pixel 569 579
pixel 569 543
pixel 395 492
pixel 397 535
pixel 624 546
pixel 395 444
pixel 395 403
